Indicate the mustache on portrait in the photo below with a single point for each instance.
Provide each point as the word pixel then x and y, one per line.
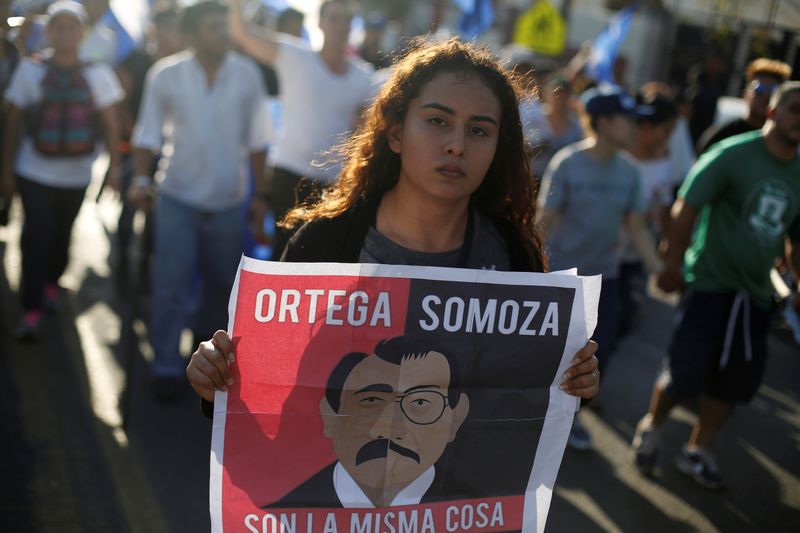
pixel 379 449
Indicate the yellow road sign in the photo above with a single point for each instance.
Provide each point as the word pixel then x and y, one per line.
pixel 542 29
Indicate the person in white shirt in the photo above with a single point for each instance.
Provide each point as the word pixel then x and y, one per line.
pixel 203 110
pixel 49 166
pixel 322 94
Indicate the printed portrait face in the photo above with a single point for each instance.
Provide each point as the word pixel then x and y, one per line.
pixel 394 420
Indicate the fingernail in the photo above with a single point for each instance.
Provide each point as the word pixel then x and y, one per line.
pixel 567 375
pixel 563 386
pixel 229 381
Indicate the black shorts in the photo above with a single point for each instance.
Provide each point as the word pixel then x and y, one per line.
pixel 719 347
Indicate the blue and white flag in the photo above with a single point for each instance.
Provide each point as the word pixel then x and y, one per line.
pixel 606 46
pixel 478 16
pixel 128 19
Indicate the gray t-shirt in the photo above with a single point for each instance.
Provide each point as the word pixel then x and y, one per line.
pixel 593 197
pixel 488 251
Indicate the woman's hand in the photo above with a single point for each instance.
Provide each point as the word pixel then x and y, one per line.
pixel 209 368
pixel 582 378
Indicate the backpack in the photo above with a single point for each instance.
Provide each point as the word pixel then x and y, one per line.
pixel 65 122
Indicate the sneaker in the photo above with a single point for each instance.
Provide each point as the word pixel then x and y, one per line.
pixel 579 438
pixel 700 466
pixel 646 445
pixel 29 326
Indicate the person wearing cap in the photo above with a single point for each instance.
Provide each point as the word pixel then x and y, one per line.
pixel 763 76
pixel 737 211
pixel 660 176
pixel 52 182
pixel 590 191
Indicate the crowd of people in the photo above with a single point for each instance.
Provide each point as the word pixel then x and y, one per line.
pixel 440 157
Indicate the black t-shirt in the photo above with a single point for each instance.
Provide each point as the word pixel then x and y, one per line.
pixel 487 251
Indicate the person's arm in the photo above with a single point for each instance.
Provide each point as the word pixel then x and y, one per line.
pixel 643 242
pixel 111 129
pixel 146 140
pixel 553 195
pixel 258 162
pixel 10 146
pixel 263 48
pixel 209 368
pixel 547 220
pixel 140 192
pixel 582 378
pixel 677 237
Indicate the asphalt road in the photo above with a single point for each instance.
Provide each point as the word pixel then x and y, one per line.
pixel 87 448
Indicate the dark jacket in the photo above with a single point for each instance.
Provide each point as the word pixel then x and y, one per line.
pixel 340 239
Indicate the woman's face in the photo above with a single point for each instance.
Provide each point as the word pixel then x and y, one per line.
pixel 448 138
pixel 65 33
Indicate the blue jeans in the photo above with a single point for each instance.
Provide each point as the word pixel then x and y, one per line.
pixel 190 241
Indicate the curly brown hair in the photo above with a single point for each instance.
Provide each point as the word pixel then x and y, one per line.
pixel 507 195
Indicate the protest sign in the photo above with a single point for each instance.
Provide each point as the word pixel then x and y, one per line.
pixel 376 398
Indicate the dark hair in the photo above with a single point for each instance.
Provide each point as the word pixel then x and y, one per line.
pixel 287 16
pixel 661 109
pixel 165 15
pixel 507 195
pixel 194 14
pixel 394 350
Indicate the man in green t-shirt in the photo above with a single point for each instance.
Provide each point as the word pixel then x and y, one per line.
pixel 740 205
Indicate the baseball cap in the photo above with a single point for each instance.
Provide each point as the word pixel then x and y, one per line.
pixel 612 100
pixel 67 7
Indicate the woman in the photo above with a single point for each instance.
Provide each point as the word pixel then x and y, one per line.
pixel 436 176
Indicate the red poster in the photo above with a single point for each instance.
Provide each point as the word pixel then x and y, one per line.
pixel 373 398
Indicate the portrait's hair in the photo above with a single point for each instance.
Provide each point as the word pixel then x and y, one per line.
pixel 768 67
pixel 194 14
pixel 394 350
pixel 784 91
pixel 507 194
